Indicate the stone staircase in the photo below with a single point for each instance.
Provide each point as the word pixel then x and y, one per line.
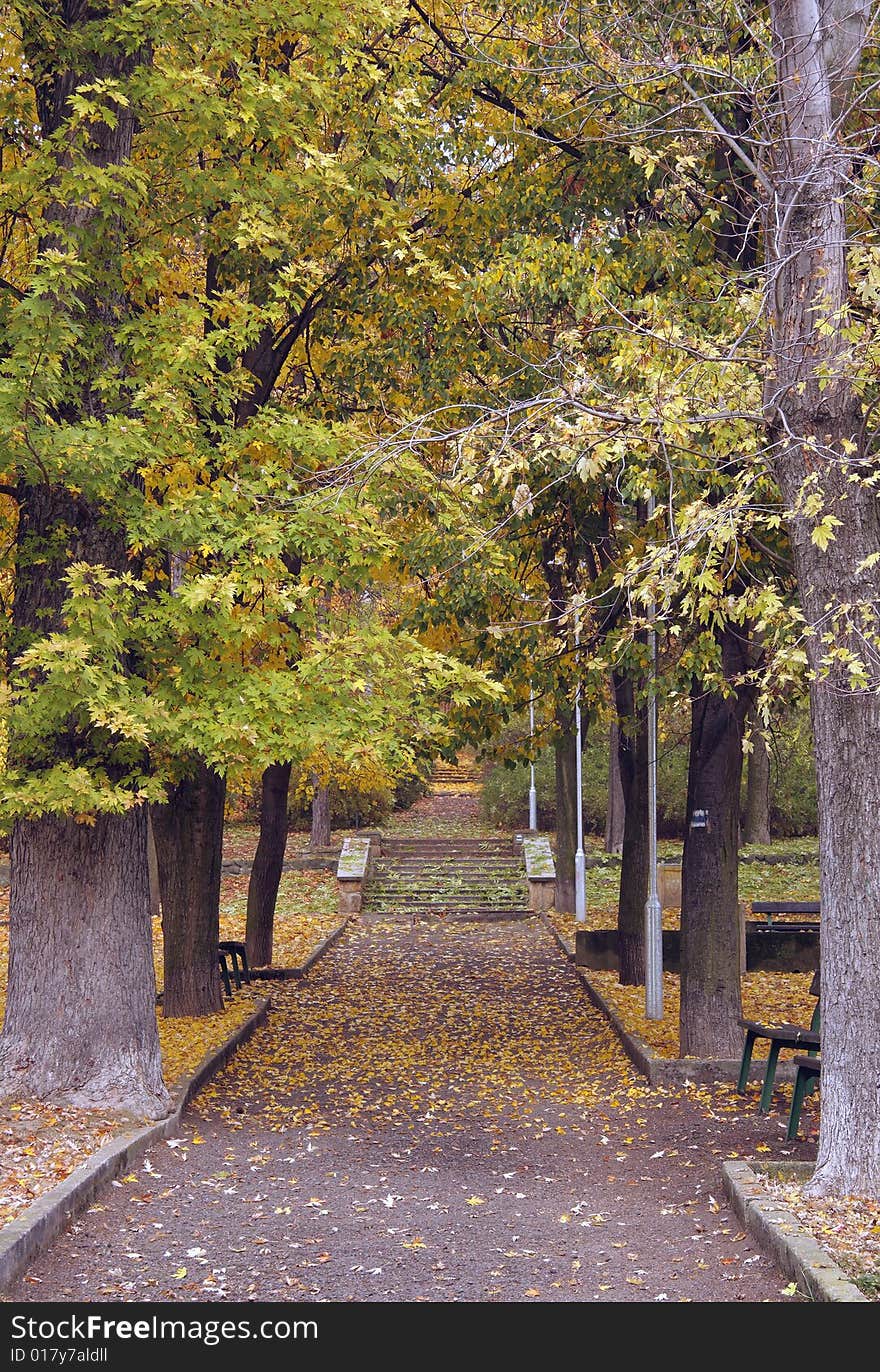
pixel 447 879
pixel 450 776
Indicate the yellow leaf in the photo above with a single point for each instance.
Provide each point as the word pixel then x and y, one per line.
pixel 181 1272
pixel 475 1200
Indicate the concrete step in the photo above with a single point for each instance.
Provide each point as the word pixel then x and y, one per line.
pixel 465 915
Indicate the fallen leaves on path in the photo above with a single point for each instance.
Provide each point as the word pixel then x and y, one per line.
pixel 416 1032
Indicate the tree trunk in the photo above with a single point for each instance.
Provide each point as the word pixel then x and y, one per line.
pixel 268 864
pixel 818 444
pixel 189 841
pixel 632 755
pixel 320 817
pixel 153 870
pixel 80 1023
pixel 565 749
pixel 80 1017
pixel 711 1003
pixel 616 811
pixel 756 820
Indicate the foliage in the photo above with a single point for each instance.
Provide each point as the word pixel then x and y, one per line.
pixel 792 787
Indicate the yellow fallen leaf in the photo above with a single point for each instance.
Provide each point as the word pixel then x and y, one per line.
pixel 197 1138
pixel 181 1272
pixel 532 1291
pixel 131 1177
pixel 475 1200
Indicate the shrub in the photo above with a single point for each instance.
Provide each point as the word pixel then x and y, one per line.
pixel 505 798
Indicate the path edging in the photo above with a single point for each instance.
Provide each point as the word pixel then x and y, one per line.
pixel 293 973
pixel 781 1235
pixel 661 1071
pixel 560 941
pixel 44 1219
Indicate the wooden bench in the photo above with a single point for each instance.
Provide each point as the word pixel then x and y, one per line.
pixel 770 908
pixel 808 1069
pixel 779 1036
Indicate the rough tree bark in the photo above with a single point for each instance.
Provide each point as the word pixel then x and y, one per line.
pixel 818 444
pixel 565 752
pixel 268 864
pixel 321 833
pixel 632 755
pixel 756 820
pixel 189 842
pixel 615 813
pixel 80 1021
pixel 711 1003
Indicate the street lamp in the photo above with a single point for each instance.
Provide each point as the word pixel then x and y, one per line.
pixel 653 908
pixel 533 794
pixel 580 866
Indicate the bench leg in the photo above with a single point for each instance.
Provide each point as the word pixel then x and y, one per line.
pixel 224 972
pixel 746 1062
pixel 235 970
pixel 803 1083
pixel 769 1078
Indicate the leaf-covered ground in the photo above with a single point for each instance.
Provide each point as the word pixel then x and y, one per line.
pixel 40 1146
pixel 771 997
pixel 848 1228
pixel 434 1113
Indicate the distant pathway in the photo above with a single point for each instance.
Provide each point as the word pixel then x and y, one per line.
pixel 435 1113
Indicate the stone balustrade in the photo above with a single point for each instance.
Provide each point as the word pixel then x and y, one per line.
pixel 540 873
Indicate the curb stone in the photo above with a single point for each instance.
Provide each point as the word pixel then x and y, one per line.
pixel 35 1228
pixel 561 943
pixel 661 1071
pixel 794 1250
pixel 293 973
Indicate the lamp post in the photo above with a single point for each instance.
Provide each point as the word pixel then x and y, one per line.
pixel 580 866
pixel 533 794
pixel 653 908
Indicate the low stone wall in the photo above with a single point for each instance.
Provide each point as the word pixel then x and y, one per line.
pixel 352 871
pixel 767 950
pixel 540 873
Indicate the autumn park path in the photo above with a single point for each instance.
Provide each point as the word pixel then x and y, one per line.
pixel 434 1113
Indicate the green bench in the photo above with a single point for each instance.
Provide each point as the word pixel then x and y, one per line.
pixel 779 1036
pixel 807 1079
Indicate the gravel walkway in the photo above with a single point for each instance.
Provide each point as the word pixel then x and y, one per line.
pixel 435 1113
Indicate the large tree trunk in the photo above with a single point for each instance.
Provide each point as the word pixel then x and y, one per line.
pixel 153 870
pixel 565 750
pixel 818 445
pixel 615 813
pixel 711 1003
pixel 268 864
pixel 189 842
pixel 80 1020
pixel 80 1024
pixel 756 820
pixel 320 817
pixel 632 755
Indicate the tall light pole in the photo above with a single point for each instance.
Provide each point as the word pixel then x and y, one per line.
pixel 653 908
pixel 580 866
pixel 533 794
